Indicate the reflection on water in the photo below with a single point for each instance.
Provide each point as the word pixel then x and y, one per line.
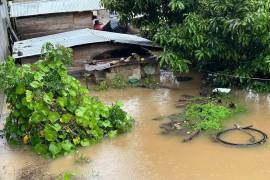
pixel 167 79
pixel 146 154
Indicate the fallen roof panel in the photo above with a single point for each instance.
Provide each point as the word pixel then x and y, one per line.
pixel 33 47
pixel 32 8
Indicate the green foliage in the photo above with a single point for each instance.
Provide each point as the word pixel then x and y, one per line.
pixel 210 112
pixel 229 36
pixel 119 82
pixel 65 176
pixel 102 86
pixel 150 82
pixel 207 116
pixel 50 110
pixel 118 121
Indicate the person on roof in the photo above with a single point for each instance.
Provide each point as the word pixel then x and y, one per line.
pixel 98 25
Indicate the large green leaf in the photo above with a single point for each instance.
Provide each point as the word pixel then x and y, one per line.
pixel 36 84
pixel 48 98
pixel 53 116
pixel 57 127
pixel 85 142
pixel 41 149
pixel 67 145
pixel 20 89
pixel 29 96
pixel 36 117
pixel 55 148
pixel 66 118
pixel 50 133
pixel 62 101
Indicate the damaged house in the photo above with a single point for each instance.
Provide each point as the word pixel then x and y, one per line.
pixel 44 17
pixel 103 55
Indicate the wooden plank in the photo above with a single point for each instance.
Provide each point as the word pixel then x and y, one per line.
pixel 36 26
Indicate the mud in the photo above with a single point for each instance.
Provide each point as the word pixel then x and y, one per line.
pixel 146 154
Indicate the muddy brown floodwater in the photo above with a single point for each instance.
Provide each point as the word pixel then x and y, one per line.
pixel 146 154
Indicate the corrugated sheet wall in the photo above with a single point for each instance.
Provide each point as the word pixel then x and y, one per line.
pixel 3 31
pixel 3 48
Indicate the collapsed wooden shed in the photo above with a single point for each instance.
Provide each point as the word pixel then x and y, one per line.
pixel 103 54
pixel 44 17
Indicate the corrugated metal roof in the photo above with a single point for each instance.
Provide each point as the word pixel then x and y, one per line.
pixel 32 47
pixel 32 8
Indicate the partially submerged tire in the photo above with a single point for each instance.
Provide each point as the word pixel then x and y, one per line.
pixel 262 140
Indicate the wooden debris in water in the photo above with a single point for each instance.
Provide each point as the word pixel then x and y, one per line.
pixel 192 136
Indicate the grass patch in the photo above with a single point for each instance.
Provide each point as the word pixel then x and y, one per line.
pixel 150 82
pixel 119 82
pixel 102 86
pixel 210 112
pixel 203 114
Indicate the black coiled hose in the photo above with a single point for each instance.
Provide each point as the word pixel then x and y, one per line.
pixel 260 141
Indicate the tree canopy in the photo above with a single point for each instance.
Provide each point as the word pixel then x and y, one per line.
pixel 229 38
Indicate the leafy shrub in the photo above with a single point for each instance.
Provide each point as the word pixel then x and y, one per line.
pixel 119 121
pixel 102 86
pixel 119 82
pixel 50 110
pixel 150 82
pixel 207 116
pixel 208 113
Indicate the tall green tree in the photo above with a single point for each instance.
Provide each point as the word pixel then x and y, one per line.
pixel 228 37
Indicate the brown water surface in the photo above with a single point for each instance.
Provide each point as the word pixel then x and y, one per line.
pixel 146 154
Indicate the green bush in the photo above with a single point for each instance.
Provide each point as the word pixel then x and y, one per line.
pixel 209 113
pixel 50 110
pixel 102 86
pixel 150 82
pixel 121 122
pixel 119 82
pixel 207 116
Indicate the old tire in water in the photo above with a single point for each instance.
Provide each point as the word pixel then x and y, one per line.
pixel 249 128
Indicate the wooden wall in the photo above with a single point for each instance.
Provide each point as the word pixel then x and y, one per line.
pixel 83 54
pixel 41 25
pixel 4 42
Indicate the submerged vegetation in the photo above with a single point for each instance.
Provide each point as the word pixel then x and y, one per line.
pixel 120 83
pixel 203 114
pixel 228 39
pixel 209 114
pixel 51 111
pixel 150 82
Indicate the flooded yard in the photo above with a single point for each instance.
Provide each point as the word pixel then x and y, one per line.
pixel 145 153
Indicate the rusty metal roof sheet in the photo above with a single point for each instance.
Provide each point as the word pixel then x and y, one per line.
pixel 32 8
pixel 33 47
